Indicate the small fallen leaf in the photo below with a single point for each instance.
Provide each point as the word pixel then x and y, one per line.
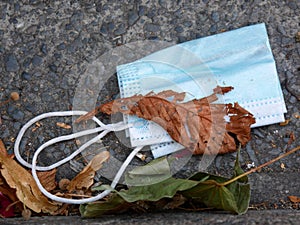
pixel 37 125
pixel 294 199
pixel 63 125
pixel 85 178
pixel 292 138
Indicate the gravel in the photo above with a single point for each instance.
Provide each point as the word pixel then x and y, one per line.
pixel 47 45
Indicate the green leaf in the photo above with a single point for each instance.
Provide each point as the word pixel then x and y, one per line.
pixel 233 197
pixel 154 172
pixel 154 192
pixel 114 204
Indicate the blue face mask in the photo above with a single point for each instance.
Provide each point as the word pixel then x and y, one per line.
pixel 240 58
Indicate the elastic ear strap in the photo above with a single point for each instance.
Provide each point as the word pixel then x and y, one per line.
pixel 104 128
pixel 110 127
pixel 86 200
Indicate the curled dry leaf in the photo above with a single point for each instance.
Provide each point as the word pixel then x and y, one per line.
pixel 85 178
pixel 294 199
pixel 23 183
pixel 198 124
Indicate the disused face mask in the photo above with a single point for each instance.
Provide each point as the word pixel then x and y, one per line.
pixel 240 58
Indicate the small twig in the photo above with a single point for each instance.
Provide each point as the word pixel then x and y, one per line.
pixel 73 195
pixel 260 167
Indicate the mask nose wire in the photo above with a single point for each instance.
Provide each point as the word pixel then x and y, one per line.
pixel 102 127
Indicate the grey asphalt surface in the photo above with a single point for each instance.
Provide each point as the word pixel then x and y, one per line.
pixel 46 46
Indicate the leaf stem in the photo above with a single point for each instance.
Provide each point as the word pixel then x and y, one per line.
pixel 261 166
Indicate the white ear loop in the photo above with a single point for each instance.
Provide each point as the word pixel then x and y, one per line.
pixel 105 130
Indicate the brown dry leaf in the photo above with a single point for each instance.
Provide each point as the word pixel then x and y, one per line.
pixel 63 125
pixel 85 178
pixel 292 138
pixel 197 124
pixel 47 179
pixel 22 181
pixel 286 122
pixel 294 199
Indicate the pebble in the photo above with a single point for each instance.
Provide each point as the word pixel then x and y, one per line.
pixel 132 17
pixel 76 20
pixel 152 27
pixel 25 76
pixel 61 46
pixel 11 63
pixel 142 10
pixel 53 68
pixel 213 28
pixel 111 26
pixel 103 28
pixel 26 63
pixel 30 107
pixel 44 49
pixel 17 115
pixel 179 29
pixel 37 60
pixel 293 100
pixel 17 125
pixel 292 5
pixel 120 30
pixel 281 30
pixel 187 23
pixel 215 17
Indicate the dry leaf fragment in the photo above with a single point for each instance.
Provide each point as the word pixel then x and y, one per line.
pixel 294 199
pixel 63 125
pixel 47 179
pixel 286 122
pixel 85 178
pixel 22 181
pixel 198 125
pixel 292 138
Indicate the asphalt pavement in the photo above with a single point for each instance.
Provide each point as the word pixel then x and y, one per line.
pixel 46 48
